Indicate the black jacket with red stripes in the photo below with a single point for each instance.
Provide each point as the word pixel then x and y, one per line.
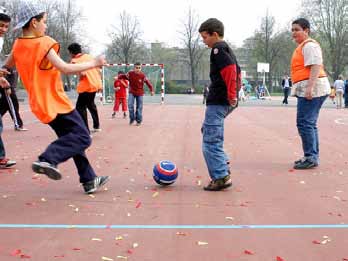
pixel 223 75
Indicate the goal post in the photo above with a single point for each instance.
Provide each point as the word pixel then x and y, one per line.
pixel 153 71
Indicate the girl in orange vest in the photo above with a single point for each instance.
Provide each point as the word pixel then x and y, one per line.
pixel 311 87
pixel 39 65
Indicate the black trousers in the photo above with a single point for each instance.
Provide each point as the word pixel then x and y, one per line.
pixel 346 98
pixel 10 104
pixel 73 140
pixel 85 101
pixel 286 95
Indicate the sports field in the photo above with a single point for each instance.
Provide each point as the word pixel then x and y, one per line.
pixel 272 212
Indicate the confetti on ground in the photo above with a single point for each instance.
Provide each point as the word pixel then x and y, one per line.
pixel 280 259
pixel 248 252
pixel 229 218
pixel 107 258
pixel 155 194
pixel 201 243
pixel 181 234
pixel 135 245
pixel 96 239
pixel 119 238
pixel 122 257
pixel 138 205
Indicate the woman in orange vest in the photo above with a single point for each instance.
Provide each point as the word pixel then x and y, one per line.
pixel 36 58
pixel 311 87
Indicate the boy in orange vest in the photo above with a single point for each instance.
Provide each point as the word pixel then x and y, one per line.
pixel 36 58
pixel 120 86
pixel 90 83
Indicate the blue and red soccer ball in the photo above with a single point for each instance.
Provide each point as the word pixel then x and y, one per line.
pixel 165 172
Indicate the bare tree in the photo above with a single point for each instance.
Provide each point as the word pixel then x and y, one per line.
pixel 125 39
pixel 330 22
pixel 267 45
pixel 191 41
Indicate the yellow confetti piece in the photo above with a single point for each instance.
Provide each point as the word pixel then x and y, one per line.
pixel 119 238
pixel 106 258
pixel 91 195
pixel 128 214
pixel 96 239
pixel 76 209
pixel 155 194
pixel 43 200
pixel 122 257
pixel 199 183
pixel 229 218
pixel 135 245
pixel 201 243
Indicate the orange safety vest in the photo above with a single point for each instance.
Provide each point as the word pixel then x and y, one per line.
pixel 91 81
pixel 299 72
pixel 42 81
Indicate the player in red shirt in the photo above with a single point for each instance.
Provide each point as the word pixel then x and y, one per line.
pixel 136 92
pixel 120 86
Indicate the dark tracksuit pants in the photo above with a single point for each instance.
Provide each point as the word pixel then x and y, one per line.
pixel 5 106
pixel 73 140
pixel 85 101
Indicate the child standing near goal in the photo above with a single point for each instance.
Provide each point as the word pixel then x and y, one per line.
pixel 36 58
pixel 120 87
pixel 90 83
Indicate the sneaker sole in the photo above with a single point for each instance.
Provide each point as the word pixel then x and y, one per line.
pixel 49 172
pixel 308 167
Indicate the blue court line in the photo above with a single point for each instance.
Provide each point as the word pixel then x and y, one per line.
pixel 66 226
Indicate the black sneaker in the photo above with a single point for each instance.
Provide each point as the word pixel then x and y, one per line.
pixel 131 122
pixel 299 160
pixel 306 164
pixel 46 168
pixel 93 185
pixel 113 115
pixel 219 184
pixel 124 115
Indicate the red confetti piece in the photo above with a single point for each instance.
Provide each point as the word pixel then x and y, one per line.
pixel 25 256
pixel 344 259
pixel 291 170
pixel 16 252
pixel 280 259
pixel 248 252
pixel 138 205
pixel 130 251
pixel 61 256
pixel 243 205
pixel 316 242
pixel 76 249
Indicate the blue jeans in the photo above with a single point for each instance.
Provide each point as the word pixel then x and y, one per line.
pixel 2 148
pixel 307 116
pixel 213 140
pixel 138 109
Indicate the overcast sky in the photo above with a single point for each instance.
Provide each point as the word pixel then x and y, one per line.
pixel 160 20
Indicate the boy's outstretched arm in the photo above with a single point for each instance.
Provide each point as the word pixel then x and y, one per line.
pixel 69 68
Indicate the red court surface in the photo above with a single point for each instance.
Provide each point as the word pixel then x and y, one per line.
pixel 262 143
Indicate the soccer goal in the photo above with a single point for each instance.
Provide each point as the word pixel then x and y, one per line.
pixel 154 72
